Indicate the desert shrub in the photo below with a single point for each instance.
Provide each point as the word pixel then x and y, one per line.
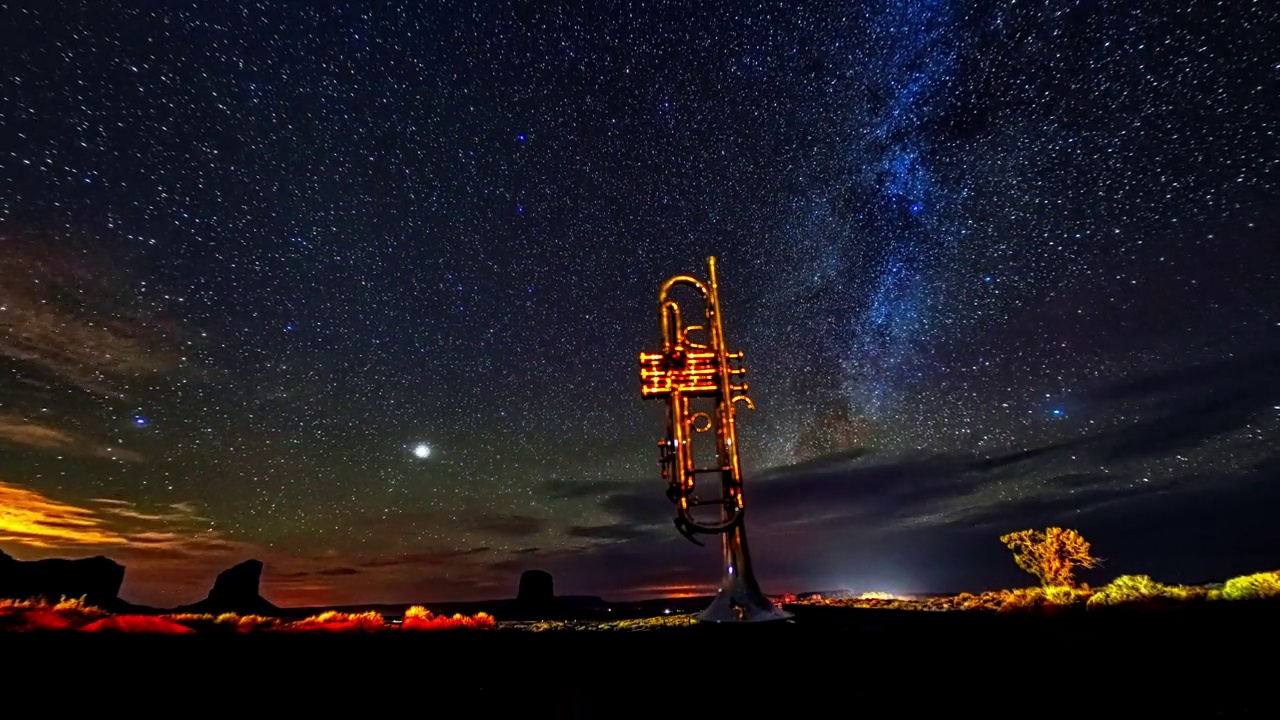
pixel 1051 555
pixel 79 607
pixel 226 622
pixel 334 621
pixel 1066 596
pixel 37 614
pixel 191 617
pixel 1034 599
pixel 1021 599
pixel 1252 587
pixel 419 618
pixel 246 623
pixel 1141 588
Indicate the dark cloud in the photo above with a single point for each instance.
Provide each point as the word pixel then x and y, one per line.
pixel 511 525
pixel 561 489
pixel 437 559
pixel 338 571
pixel 608 532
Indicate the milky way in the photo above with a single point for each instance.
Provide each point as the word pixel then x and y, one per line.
pixel 991 264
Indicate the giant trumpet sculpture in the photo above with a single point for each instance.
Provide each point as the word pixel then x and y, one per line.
pixel 683 372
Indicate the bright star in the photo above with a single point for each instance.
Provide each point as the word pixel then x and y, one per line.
pixel 421 451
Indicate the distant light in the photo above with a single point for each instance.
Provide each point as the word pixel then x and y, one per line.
pixel 139 421
pixel 521 137
pixel 519 208
pixel 421 451
pixel 987 279
pixel 667 611
pixel 730 569
pixel 1057 412
pixel 915 208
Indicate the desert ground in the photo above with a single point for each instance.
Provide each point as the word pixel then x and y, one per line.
pixel 1207 660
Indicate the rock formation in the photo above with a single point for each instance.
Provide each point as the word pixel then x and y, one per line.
pixel 536 589
pixel 96 579
pixel 235 591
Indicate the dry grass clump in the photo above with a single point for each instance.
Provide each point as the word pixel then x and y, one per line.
pixel 226 622
pixel 39 614
pixel 635 625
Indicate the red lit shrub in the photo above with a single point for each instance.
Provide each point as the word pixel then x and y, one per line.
pixel 137 624
pixel 338 622
pixel 420 618
pixel 38 615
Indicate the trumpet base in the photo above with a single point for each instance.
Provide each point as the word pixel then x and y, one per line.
pixel 739 599
pixel 730 607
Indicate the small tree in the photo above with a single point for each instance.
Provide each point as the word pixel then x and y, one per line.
pixel 1052 555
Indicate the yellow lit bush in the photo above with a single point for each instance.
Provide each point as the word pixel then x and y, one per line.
pixel 1258 586
pixel 1130 589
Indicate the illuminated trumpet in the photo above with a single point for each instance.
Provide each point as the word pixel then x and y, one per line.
pixel 683 372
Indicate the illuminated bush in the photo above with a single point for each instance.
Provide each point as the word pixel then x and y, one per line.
pixel 1046 600
pixel 246 623
pixel 1130 589
pixel 419 618
pixel 79 607
pixel 1052 555
pixel 339 622
pixel 226 622
pixel 1258 586
pixel 37 614
pixel 1065 596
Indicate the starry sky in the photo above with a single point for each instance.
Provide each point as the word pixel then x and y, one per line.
pixel 358 288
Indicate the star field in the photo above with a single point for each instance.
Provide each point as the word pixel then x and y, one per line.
pixel 359 289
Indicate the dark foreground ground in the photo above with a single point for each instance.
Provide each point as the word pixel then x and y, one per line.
pixel 829 662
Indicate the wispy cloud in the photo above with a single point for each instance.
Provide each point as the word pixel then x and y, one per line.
pixel 29 518
pixel 176 512
pixel 17 430
pixel 66 318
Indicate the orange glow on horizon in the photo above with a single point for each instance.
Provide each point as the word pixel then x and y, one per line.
pixel 672 592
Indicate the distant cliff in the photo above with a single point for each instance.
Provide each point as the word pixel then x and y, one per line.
pixel 97 579
pixel 235 591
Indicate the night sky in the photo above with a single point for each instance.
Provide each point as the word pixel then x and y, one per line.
pixel 358 289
